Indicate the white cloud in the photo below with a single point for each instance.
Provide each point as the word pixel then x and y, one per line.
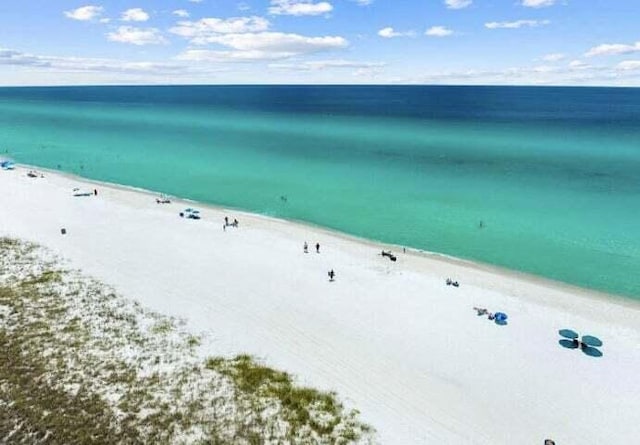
pixel 363 2
pixel 544 69
pixel 554 57
pixel 280 42
pixel 242 6
pixel 137 36
pixel 247 39
pixel 76 64
pixel 181 13
pixel 576 65
pixel 195 1
pixel 263 46
pixel 29 69
pixel 319 65
pixel 134 15
pixel 299 7
pixel 537 3
pixel 536 75
pixel 389 32
pixel 517 24
pixel 629 65
pixel 18 58
pixel 207 30
pixel 85 13
pixel 438 31
pixel 370 70
pixel 211 56
pixel 611 49
pixel 457 4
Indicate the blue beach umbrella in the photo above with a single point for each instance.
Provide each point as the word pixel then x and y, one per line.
pixel 569 344
pixel 591 340
pixel 568 333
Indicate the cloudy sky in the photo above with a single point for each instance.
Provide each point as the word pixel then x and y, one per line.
pixel 558 42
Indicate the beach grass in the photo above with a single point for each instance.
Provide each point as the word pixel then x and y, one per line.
pixel 81 364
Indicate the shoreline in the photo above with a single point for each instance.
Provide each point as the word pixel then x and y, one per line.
pixel 539 280
pixel 390 338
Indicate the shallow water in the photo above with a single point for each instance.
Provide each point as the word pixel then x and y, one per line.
pixel 543 180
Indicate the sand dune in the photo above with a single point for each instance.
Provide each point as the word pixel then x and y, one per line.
pixel 390 337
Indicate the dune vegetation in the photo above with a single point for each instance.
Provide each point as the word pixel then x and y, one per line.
pixel 81 364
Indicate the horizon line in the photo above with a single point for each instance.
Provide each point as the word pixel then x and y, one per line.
pixel 317 85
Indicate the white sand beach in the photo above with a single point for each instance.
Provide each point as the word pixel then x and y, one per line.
pixel 391 338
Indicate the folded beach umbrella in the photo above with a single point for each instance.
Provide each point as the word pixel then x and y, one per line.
pixel 591 340
pixel 568 333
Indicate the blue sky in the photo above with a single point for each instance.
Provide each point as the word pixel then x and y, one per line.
pixel 526 42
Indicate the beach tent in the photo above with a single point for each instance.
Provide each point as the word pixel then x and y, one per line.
pixel 500 318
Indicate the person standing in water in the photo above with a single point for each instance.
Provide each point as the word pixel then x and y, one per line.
pixel 317 247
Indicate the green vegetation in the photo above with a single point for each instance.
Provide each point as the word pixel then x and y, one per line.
pixel 80 364
pixel 35 411
pixel 162 327
pixel 298 404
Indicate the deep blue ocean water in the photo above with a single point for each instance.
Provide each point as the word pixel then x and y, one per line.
pixel 542 180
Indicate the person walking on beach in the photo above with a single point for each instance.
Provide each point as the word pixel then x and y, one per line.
pixel 95 192
pixel 331 274
pixel 306 247
pixel 317 247
pixel 226 220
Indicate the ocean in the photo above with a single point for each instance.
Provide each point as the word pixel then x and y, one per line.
pixel 544 180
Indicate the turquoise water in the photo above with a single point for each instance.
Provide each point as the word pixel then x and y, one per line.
pixel 552 173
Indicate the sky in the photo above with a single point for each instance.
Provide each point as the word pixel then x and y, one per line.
pixel 474 42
